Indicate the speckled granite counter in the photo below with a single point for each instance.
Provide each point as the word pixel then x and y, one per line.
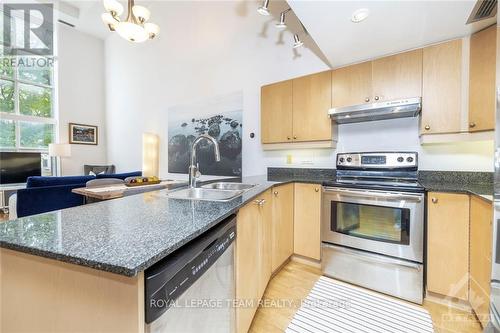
pixel 123 236
pixel 475 183
pixel 128 235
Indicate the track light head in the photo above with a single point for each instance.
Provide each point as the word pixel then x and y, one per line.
pixel 264 9
pixel 296 41
pixel 282 24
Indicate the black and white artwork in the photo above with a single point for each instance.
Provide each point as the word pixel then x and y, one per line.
pixel 219 117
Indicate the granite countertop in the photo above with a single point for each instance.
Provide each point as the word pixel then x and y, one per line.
pixel 125 235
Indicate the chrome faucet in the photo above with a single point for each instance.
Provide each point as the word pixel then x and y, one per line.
pixel 193 167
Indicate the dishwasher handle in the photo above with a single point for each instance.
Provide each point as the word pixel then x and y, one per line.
pixel 374 194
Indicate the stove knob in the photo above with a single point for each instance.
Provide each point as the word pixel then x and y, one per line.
pixel 409 159
pixel 349 160
pixel 400 159
pixel 341 160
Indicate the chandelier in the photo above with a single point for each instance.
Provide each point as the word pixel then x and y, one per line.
pixel 135 27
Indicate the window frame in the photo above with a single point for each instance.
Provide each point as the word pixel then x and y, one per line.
pixel 18 117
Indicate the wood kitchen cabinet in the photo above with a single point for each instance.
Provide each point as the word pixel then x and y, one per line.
pixel 312 98
pixel 442 88
pixel 388 78
pixel 282 226
pixel 352 85
pixel 306 221
pixel 397 76
pixel 252 257
pixel 482 69
pixel 448 244
pixel 276 112
pixel 481 219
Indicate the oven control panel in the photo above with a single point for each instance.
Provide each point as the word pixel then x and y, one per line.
pixel 381 160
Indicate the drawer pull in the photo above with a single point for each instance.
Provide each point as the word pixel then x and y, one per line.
pixel 434 200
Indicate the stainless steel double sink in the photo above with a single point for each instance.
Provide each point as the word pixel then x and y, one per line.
pixel 220 191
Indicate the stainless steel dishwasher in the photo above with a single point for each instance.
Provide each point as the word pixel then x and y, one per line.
pixel 192 289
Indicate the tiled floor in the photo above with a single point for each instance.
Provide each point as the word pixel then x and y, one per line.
pixel 293 283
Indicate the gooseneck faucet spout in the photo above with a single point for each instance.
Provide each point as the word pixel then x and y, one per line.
pixel 194 173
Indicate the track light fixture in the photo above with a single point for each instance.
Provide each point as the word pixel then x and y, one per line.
pixel 264 9
pixel 296 41
pixel 282 24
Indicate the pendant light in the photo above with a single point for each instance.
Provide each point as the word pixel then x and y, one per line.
pixel 134 28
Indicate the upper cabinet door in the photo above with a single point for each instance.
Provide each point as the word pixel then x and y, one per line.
pixel 482 80
pixel 312 98
pixel 397 76
pixel 276 112
pixel 352 85
pixel 442 88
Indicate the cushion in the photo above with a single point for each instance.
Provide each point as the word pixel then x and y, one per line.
pixel 121 175
pixel 41 181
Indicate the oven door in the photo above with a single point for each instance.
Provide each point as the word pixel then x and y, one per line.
pixel 385 222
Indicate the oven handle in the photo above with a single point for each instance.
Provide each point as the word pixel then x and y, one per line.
pixel 368 194
pixel 373 257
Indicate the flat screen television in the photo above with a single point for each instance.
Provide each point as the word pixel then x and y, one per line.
pixel 17 167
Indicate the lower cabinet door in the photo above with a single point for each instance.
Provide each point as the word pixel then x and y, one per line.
pixel 282 228
pixel 247 261
pixel 481 219
pixel 306 221
pixel 448 244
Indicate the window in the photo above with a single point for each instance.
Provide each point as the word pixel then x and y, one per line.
pixel 26 103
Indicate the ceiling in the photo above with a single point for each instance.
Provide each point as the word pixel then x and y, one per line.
pixel 85 15
pixel 391 27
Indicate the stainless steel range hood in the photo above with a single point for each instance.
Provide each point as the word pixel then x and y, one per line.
pixel 408 107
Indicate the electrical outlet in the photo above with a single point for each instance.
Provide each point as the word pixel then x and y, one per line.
pixel 289 159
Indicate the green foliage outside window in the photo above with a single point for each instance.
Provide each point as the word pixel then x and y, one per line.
pixel 7 134
pixel 6 96
pixel 35 101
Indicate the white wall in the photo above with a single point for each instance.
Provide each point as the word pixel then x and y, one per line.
pixel 208 49
pixel 393 135
pixel 81 93
pixel 204 50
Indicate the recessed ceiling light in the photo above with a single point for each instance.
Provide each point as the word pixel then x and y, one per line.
pixel 360 15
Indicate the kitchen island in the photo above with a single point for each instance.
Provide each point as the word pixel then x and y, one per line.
pixel 81 269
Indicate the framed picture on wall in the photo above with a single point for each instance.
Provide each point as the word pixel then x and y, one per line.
pixel 82 134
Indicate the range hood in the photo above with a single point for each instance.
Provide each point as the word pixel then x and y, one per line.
pixel 401 108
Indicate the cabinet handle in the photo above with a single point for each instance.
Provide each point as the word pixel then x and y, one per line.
pixel 434 200
pixel 294 137
pixel 377 98
pixel 367 99
pixel 262 202
pixel 472 125
pixel 275 193
pixel 316 189
pixel 427 127
pixel 288 138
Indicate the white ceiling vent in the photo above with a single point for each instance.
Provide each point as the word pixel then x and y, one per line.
pixel 482 10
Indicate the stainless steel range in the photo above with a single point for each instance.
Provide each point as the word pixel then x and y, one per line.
pixel 373 223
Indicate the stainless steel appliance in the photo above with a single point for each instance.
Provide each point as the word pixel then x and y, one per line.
pixel 408 107
pixel 192 289
pixel 373 223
